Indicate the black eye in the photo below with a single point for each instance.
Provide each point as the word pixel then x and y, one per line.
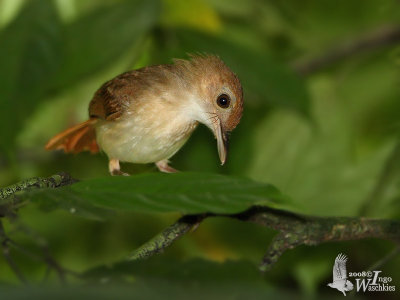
pixel 223 101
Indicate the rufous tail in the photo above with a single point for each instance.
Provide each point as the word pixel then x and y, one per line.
pixel 81 137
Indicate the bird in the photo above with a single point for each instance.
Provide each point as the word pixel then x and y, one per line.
pixel 340 281
pixel 146 115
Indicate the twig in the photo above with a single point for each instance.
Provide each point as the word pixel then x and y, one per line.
pixel 167 237
pixel 8 200
pixel 376 39
pixel 24 251
pixel 54 181
pixel 384 260
pixel 6 252
pixel 294 230
pixel 53 264
pixel 280 243
pixel 378 264
pixel 392 164
pixel 46 257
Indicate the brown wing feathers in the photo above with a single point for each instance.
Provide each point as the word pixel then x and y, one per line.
pixel 110 101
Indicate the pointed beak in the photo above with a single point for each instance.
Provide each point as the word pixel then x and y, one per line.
pixel 222 141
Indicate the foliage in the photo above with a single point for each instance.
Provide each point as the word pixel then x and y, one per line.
pixel 151 193
pixel 327 139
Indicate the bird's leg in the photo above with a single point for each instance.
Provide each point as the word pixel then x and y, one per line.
pixel 163 166
pixel 114 168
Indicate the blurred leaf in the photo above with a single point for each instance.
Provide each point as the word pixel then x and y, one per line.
pixel 98 38
pixel 234 8
pixel 156 279
pixel 227 280
pixel 321 24
pixel 39 56
pixel 386 189
pixel 195 13
pixel 329 169
pixel 8 10
pixel 309 274
pixel 29 56
pixel 374 110
pixel 317 165
pixel 184 272
pixel 261 75
pixel 187 193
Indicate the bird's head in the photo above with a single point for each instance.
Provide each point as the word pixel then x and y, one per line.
pixel 217 98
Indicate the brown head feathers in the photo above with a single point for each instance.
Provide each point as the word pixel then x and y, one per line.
pixel 209 74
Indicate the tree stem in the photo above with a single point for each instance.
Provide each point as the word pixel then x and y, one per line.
pixel 388 35
pixel 294 230
pixel 53 181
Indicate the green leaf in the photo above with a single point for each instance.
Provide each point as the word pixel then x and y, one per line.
pixel 161 279
pixel 187 193
pixel 100 37
pixel 262 77
pixel 193 278
pixel 322 168
pixel 29 56
pixel 39 55
pixel 175 270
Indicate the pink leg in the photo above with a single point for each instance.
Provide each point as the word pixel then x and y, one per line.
pixel 114 168
pixel 163 166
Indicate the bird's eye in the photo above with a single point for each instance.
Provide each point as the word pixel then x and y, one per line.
pixel 223 101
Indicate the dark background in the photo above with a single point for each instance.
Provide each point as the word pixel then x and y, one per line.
pixel 321 122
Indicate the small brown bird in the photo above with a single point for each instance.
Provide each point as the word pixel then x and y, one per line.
pixel 146 115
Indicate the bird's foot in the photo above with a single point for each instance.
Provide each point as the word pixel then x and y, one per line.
pixel 119 173
pixel 163 166
pixel 114 168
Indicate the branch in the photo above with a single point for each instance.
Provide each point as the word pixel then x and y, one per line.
pixel 5 241
pixel 384 260
pixel 294 230
pixel 54 181
pixel 7 207
pixel 8 244
pixel 46 257
pixel 386 177
pixel 376 39
pixel 167 237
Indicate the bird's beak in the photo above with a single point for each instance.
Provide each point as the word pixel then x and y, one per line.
pixel 222 141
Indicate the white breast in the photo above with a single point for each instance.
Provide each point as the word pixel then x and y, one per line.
pixel 144 137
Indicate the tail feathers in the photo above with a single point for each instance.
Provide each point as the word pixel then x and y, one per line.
pixel 81 137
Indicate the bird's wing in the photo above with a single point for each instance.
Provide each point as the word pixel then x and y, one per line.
pixel 339 268
pixel 113 98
